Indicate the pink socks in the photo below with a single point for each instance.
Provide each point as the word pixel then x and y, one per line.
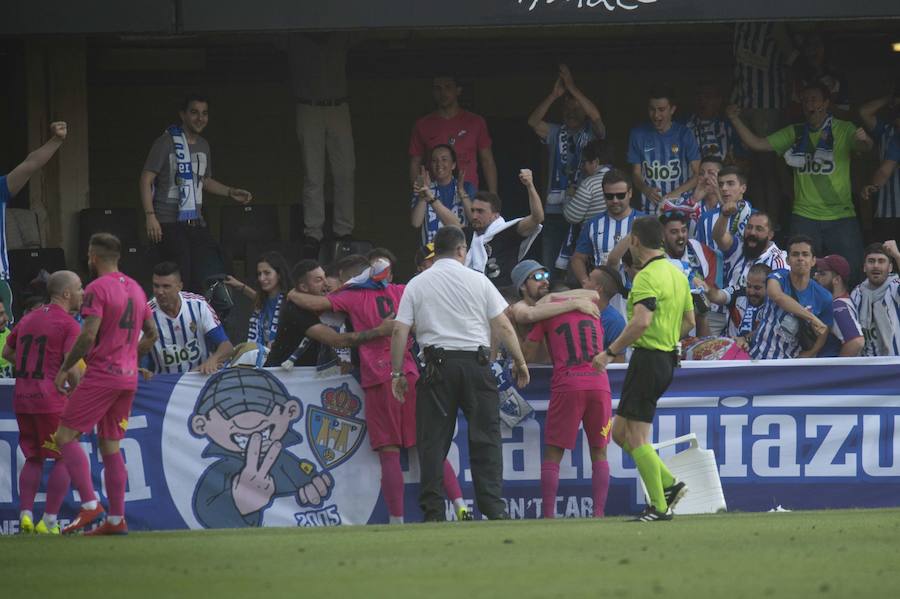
pixel 29 481
pixel 57 487
pixel 549 485
pixel 600 486
pixel 76 463
pixel 116 477
pixel 451 483
pixel 392 482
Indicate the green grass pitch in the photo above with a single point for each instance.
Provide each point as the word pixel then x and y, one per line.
pixel 800 554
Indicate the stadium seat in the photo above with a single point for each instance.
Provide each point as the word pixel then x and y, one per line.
pixel 22 229
pixel 291 250
pixel 121 222
pixel 25 266
pixel 241 225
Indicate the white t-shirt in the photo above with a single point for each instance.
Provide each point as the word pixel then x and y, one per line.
pixel 451 306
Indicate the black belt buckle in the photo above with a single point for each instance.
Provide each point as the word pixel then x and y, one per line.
pixel 483 356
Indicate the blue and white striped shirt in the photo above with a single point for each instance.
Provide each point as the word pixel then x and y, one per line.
pixel 736 224
pixel 716 137
pixel 759 72
pixel 188 339
pixel 601 234
pixel 888 140
pixel 890 304
pixel 772 340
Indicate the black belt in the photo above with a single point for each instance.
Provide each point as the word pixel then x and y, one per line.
pixel 328 102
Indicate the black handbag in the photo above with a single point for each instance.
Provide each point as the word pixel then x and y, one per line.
pixel 806 335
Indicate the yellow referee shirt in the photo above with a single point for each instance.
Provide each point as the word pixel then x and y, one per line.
pixel 662 280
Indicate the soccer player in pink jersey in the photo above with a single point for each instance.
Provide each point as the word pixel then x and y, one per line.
pixel 579 394
pixel 368 298
pixel 115 312
pixel 37 347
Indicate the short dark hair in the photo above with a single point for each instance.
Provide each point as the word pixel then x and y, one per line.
pixel 674 215
pixel 616 176
pixel 802 239
pixel 165 269
pixel 816 84
pixel 760 213
pixel 442 75
pixel 875 248
pixel 303 268
pixel 443 147
pixel 712 158
pixel 662 92
pixel 447 239
pixel 649 231
pixel 491 198
pixel 382 253
pixel 759 269
pixel 598 149
pixel 105 246
pixel 352 265
pixel 192 97
pixel 733 170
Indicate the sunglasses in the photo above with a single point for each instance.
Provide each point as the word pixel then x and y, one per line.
pixel 541 276
pixel 618 196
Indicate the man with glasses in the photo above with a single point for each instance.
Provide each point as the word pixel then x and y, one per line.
pixel 578 393
pixel 601 234
pixel 456 312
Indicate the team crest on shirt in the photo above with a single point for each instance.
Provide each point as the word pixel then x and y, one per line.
pixel 193 327
pixel 333 432
pixel 675 148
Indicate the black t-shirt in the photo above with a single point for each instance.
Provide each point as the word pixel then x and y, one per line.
pixel 293 323
pixel 503 255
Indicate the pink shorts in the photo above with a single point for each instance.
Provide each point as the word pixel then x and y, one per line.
pixel 92 404
pixel 391 422
pixel 36 435
pixel 568 409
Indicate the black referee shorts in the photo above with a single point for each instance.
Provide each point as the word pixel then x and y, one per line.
pixel 649 374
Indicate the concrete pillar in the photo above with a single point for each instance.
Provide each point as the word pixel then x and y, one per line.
pixel 57 90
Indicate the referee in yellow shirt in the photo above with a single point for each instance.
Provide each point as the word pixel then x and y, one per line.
pixel 660 312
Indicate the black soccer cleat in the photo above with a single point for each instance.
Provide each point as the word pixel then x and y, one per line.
pixel 650 514
pixel 674 494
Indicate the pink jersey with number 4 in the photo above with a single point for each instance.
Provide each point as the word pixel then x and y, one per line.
pixel 120 304
pixel 366 309
pixel 41 341
pixel 573 338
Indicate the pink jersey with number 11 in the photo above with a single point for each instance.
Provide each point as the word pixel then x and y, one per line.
pixel 573 339
pixel 121 305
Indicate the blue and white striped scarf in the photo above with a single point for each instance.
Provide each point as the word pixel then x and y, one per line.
pixel 187 192
pixel 264 323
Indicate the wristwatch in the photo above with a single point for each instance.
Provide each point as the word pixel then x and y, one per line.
pixel 611 353
pixel 396 375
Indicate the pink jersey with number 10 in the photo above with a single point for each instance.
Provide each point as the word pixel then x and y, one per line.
pixel 573 339
pixel 120 304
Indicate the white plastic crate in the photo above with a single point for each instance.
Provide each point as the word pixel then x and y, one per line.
pixel 695 467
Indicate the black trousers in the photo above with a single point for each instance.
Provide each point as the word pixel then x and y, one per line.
pixel 194 250
pixel 460 383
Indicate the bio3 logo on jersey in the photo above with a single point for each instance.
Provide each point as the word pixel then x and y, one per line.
pixel 174 355
pixel 662 171
pixel 812 167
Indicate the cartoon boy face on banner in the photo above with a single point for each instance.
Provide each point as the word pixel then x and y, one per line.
pixel 254 460
pixel 246 415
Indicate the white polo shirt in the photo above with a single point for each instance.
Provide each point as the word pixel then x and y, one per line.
pixel 451 306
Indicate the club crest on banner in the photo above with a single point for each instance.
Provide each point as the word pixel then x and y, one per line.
pixel 333 432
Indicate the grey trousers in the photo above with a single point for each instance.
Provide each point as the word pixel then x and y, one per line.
pixel 326 130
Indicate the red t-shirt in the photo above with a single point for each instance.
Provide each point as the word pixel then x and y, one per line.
pixel 366 309
pixel 466 132
pixel 41 341
pixel 122 307
pixel 573 339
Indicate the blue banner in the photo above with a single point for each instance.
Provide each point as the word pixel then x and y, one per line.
pixel 801 434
